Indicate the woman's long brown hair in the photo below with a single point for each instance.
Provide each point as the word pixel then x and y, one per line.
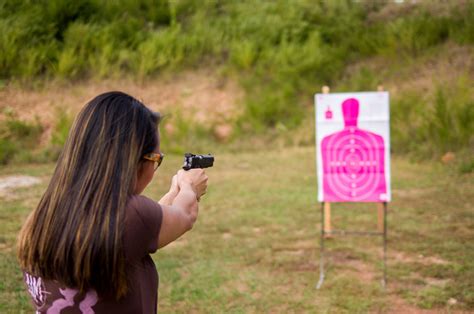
pixel 74 236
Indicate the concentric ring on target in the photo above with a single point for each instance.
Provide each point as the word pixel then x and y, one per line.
pixel 354 166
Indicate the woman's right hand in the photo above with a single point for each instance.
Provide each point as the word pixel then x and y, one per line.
pixel 182 214
pixel 197 178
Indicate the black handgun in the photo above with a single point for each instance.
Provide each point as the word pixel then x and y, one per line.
pixel 192 161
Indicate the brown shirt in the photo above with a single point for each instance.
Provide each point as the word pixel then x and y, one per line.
pixel 142 225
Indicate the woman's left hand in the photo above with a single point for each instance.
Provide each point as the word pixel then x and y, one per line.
pixel 168 198
pixel 174 188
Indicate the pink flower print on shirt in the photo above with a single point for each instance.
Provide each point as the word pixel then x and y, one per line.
pixel 89 301
pixel 85 306
pixel 61 304
pixel 36 289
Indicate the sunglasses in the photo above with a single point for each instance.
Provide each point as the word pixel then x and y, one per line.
pixel 157 158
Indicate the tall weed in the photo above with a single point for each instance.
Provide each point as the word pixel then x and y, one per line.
pixel 180 134
pixel 18 138
pixel 436 124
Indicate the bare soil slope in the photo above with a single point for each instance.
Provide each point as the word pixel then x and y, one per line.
pixel 203 95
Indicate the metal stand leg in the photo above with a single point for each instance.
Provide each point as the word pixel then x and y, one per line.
pixel 321 256
pixel 384 280
pixel 382 233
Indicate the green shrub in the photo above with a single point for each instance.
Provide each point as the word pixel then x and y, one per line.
pixel 435 124
pixel 161 49
pixel 462 25
pixel 363 80
pixel 406 115
pixel 414 33
pixel 7 150
pixel 63 124
pixel 17 137
pixel 179 133
pixel 467 166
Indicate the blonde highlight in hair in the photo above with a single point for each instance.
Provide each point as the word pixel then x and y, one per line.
pixel 75 234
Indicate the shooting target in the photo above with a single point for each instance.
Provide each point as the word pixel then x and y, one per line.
pixel 352 161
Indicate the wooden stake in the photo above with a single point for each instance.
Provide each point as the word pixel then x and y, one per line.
pixel 380 216
pixel 327 218
pixel 327 206
pixel 380 212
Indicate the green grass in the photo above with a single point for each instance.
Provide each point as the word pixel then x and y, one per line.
pixel 255 246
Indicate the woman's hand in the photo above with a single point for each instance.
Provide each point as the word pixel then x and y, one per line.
pixel 174 188
pixel 196 178
pixel 169 197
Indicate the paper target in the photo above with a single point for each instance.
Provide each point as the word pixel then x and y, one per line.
pixel 353 147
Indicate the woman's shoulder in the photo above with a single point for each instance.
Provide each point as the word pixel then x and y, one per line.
pixel 143 216
pixel 138 201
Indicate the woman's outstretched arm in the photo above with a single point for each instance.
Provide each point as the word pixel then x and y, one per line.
pixel 180 216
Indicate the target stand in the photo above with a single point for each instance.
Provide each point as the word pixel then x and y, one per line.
pixel 353 170
pixel 382 232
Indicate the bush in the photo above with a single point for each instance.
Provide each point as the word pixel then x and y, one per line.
pixel 435 124
pixel 7 150
pixel 17 137
pixel 61 129
pixel 181 135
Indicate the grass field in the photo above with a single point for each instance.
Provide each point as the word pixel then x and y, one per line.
pixel 255 247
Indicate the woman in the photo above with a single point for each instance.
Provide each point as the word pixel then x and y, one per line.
pixel 85 248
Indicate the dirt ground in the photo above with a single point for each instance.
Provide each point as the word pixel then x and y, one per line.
pixel 10 183
pixel 204 94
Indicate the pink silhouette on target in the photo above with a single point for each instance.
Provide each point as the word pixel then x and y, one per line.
pixel 353 162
